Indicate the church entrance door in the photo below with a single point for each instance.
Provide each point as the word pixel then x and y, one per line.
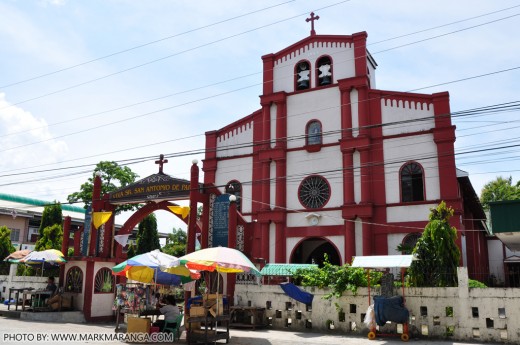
pixel 313 250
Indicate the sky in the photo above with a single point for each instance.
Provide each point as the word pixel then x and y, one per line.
pixel 85 81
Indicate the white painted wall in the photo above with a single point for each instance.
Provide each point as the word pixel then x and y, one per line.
pixel 354 108
pixel 78 297
pixel 496 259
pixel 327 163
pixel 371 75
pixel 358 227
pixel 290 243
pixel 395 111
pixel 342 63
pixel 461 299
pixel 322 105
pixel 393 241
pixel 416 148
pixel 242 137
pixel 272 184
pixel 102 302
pixel 327 218
pixel 272 242
pixel 240 169
pixel 356 165
pixel 273 124
pixel 411 213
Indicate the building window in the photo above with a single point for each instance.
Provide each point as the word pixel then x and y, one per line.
pixel 235 188
pixel 302 75
pixel 324 70
pixel 409 242
pixel 15 235
pixel 314 192
pixel 412 186
pixel 104 281
pixel 74 280
pixel 314 133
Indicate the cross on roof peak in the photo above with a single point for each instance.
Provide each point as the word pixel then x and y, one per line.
pixel 161 162
pixel 312 19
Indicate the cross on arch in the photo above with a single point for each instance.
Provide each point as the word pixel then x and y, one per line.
pixel 312 19
pixel 161 163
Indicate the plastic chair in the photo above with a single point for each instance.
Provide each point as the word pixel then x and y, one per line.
pixel 173 326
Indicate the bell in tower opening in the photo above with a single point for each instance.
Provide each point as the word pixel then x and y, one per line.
pixel 302 75
pixel 324 70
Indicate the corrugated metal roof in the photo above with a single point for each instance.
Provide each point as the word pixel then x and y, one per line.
pixel 284 269
pixel 36 202
pixel 382 261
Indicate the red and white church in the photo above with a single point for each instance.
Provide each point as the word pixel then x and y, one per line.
pixel 331 164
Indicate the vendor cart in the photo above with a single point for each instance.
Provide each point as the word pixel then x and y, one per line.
pixel 384 262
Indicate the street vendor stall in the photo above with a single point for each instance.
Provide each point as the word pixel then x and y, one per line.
pixel 386 308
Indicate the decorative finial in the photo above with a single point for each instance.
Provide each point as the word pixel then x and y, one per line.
pixel 312 19
pixel 161 162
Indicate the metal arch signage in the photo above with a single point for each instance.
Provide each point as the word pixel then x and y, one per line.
pixel 152 188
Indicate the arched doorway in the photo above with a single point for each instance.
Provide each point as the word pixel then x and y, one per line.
pixel 313 251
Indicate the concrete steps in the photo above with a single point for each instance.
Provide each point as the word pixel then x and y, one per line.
pixel 54 316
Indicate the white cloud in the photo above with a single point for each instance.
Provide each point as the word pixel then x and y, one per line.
pixel 18 128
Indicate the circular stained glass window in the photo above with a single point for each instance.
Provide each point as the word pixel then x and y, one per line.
pixel 314 192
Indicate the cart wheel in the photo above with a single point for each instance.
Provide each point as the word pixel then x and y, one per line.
pixel 405 337
pixel 371 335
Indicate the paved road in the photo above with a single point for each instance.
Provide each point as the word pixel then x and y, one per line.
pixel 15 328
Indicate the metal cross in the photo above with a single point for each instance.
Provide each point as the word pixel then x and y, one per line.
pixel 312 19
pixel 161 162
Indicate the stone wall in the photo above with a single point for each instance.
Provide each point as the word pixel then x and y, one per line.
pixel 462 313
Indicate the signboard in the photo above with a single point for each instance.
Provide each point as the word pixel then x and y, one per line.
pixel 154 187
pixel 220 221
pixel 86 231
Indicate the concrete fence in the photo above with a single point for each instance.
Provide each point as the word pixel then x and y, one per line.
pixel 20 282
pixel 461 313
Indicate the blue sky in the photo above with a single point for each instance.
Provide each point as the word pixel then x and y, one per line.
pixel 68 119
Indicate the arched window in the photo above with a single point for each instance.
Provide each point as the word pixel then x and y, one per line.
pixel 409 242
pixel 74 280
pixel 314 133
pixel 412 186
pixel 302 75
pixel 104 281
pixel 324 70
pixel 235 188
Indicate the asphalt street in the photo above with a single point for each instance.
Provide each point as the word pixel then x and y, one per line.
pixel 19 332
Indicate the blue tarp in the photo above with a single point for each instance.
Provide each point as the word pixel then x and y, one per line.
pixel 390 309
pixel 293 291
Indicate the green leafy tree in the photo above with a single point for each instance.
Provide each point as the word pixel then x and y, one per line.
pixel 131 251
pixel 337 278
pixel 6 248
pixel 500 189
pixel 52 215
pixel 437 253
pixel 147 235
pixel 176 243
pixel 113 177
pixel 51 239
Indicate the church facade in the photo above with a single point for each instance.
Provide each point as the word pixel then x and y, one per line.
pixel 329 164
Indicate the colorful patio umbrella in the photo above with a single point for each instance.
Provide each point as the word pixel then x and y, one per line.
pixel 16 256
pixel 50 256
pixel 146 268
pixel 220 259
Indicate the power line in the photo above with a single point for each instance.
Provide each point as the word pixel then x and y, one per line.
pixel 143 45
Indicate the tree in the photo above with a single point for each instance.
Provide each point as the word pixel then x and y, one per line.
pixel 176 243
pixel 51 239
pixel 147 235
pixel 6 248
pixel 52 215
pixel 499 189
pixel 438 255
pixel 113 177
